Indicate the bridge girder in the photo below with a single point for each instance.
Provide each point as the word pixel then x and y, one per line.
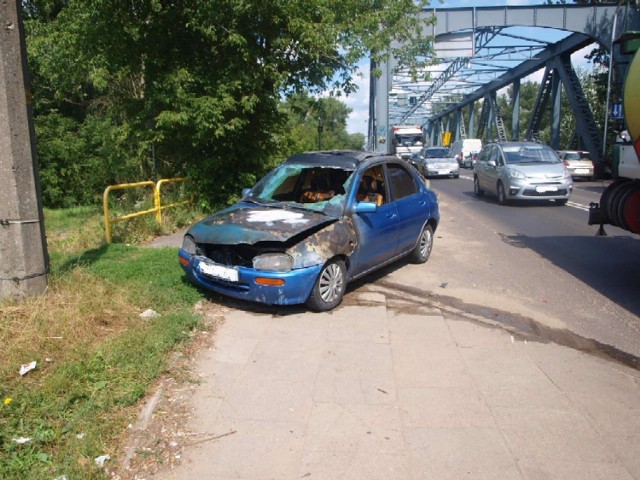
pixel 498 57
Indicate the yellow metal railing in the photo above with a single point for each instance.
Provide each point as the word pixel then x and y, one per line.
pixel 157 208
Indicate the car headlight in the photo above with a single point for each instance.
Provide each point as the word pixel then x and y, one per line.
pixel 275 262
pixel 566 174
pixel 189 245
pixel 516 174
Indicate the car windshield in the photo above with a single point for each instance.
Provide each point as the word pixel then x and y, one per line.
pixel 436 153
pixel 408 140
pixel 530 154
pixel 318 188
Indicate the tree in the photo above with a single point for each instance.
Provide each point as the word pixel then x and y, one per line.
pixel 200 81
pixel 306 115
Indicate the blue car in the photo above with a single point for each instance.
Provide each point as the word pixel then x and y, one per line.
pixel 314 223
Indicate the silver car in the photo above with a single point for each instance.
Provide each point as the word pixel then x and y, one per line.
pixel 521 171
pixel 437 162
pixel 578 162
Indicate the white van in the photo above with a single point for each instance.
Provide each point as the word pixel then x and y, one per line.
pixel 465 150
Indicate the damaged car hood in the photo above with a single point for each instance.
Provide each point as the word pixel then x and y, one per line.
pixel 250 224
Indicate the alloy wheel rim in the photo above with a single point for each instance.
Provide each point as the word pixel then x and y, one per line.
pixel 331 283
pixel 425 243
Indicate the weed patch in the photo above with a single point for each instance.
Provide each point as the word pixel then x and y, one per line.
pixel 96 358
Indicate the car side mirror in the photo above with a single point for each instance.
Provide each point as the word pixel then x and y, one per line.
pixel 491 163
pixel 366 207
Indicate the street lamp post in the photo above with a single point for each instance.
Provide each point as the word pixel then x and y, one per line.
pixel 319 133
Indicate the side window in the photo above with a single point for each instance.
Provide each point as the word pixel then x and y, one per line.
pixel 371 186
pixel 401 181
pixel 495 156
pixel 484 154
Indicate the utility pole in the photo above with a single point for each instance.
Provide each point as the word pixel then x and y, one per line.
pixel 23 253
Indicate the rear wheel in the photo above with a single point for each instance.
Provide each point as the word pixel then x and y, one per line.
pixel 329 288
pixel 502 195
pixel 477 191
pixel 422 250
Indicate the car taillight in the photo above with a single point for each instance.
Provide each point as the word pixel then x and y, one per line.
pixel 565 162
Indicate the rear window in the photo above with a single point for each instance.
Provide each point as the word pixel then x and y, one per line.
pixel 577 156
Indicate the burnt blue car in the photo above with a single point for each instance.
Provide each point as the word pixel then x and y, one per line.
pixel 314 223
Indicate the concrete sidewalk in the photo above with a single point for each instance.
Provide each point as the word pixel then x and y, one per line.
pixel 374 390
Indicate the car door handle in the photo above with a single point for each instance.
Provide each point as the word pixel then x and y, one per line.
pixel 391 215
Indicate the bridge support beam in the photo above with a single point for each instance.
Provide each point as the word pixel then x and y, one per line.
pixel 472 120
pixel 556 103
pixel 515 108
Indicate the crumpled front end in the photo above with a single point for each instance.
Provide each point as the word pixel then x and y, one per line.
pixel 271 272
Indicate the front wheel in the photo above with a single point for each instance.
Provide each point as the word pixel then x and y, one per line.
pixel 422 250
pixel 502 195
pixel 329 288
pixel 477 191
pixel 560 202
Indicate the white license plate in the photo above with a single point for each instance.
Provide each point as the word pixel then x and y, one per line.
pixel 443 172
pixel 546 189
pixel 582 170
pixel 219 271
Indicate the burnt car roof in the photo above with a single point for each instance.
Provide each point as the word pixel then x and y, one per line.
pixel 346 159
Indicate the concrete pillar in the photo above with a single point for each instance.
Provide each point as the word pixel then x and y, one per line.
pixel 383 131
pixel 23 253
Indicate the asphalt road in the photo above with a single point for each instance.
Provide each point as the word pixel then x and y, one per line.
pixel 537 266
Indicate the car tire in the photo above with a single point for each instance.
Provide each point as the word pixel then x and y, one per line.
pixel 560 202
pixel 422 250
pixel 502 195
pixel 477 191
pixel 329 288
pixel 456 176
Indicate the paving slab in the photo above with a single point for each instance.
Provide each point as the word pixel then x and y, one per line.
pixel 374 390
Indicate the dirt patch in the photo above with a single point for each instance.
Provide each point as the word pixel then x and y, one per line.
pixel 156 440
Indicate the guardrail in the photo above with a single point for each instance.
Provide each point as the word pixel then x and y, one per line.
pixel 157 208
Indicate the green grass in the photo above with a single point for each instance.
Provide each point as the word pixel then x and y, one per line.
pixel 96 357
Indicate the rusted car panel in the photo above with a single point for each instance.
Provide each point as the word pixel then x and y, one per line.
pixel 338 239
pixel 311 225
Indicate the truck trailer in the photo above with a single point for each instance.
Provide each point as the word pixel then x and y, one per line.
pixel 619 204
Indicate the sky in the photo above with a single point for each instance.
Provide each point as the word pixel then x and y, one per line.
pixel 359 102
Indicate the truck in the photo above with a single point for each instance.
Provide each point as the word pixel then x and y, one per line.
pixel 619 204
pixel 407 140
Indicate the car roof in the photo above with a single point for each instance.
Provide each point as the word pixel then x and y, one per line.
pixel 519 144
pixel 346 159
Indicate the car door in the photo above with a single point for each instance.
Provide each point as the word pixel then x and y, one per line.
pixel 492 169
pixel 411 205
pixel 376 230
pixel 481 166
